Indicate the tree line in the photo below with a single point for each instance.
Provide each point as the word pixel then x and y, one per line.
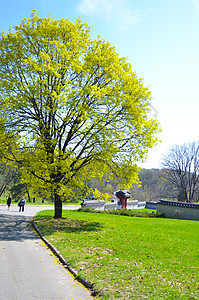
pixel 178 180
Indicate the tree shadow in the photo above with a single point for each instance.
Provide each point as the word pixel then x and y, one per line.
pixel 16 228
pixel 68 225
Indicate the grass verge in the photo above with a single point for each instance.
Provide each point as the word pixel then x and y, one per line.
pixel 127 257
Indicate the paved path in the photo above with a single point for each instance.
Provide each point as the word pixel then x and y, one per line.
pixel 28 270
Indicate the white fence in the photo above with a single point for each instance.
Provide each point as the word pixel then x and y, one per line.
pixel 102 205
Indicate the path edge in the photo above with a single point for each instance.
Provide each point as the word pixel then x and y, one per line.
pixel 56 252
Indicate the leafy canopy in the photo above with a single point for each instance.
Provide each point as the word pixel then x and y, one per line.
pixel 71 107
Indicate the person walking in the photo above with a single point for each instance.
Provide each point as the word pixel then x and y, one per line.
pixel 9 200
pixel 21 204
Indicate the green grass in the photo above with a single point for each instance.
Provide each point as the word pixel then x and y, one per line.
pixel 127 257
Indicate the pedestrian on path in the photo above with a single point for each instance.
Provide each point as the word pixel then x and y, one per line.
pixel 9 200
pixel 21 204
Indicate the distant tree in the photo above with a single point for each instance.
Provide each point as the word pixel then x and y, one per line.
pixel 108 189
pixel 105 186
pixel 8 175
pixel 71 109
pixel 152 185
pixel 181 170
pixel 17 190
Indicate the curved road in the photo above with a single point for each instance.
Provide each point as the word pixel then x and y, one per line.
pixel 28 270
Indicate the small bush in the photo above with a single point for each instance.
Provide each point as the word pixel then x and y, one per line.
pixel 125 212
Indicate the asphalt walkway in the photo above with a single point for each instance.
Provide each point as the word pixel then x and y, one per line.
pixel 28 269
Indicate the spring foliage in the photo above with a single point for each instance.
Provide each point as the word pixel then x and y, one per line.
pixel 71 108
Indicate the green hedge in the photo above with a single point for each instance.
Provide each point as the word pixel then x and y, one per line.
pixel 125 212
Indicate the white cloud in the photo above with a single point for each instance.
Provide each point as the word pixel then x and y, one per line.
pixel 116 11
pixel 129 18
pixel 90 7
pixel 196 3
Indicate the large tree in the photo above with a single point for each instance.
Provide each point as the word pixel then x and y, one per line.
pixel 181 170
pixel 75 108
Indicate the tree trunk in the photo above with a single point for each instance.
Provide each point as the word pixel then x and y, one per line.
pixel 2 189
pixel 29 200
pixel 58 207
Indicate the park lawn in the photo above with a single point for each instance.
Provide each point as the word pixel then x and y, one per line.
pixel 128 257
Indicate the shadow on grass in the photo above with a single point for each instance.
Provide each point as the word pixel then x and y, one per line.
pixel 51 225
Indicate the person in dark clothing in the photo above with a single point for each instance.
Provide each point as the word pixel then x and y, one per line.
pixel 21 204
pixel 9 200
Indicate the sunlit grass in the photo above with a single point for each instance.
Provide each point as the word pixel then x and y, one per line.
pixel 127 257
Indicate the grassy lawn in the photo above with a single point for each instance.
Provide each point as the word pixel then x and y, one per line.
pixel 128 257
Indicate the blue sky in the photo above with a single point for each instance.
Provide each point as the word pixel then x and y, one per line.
pixel 160 40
